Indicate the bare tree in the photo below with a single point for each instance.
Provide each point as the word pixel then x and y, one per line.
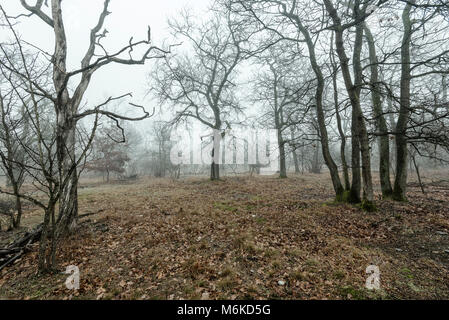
pixel 283 89
pixel 338 115
pixel 400 183
pixel 266 14
pixel 420 117
pixel 10 153
pixel 201 84
pixel 381 122
pixel 66 106
pixel 360 140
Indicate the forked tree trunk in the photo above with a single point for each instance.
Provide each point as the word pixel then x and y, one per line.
pixel 330 163
pixel 66 108
pixel 353 89
pixel 381 123
pixel 368 194
pixel 68 202
pixel 344 163
pixel 400 183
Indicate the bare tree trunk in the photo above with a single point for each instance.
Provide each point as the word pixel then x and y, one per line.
pixel 18 217
pixel 392 122
pixel 400 183
pixel 368 196
pixel 316 168
pixel 65 111
pixel 384 142
pixel 215 167
pixel 68 202
pixel 295 160
pixel 333 169
pixel 44 265
pixel 356 186
pixel 354 96
pixel 344 163
pixel 66 107
pixel 294 153
pixel 282 165
pixel 302 159
pixel 421 185
pixel 278 118
pixel 215 171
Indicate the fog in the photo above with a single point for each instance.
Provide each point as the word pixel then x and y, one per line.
pixel 128 18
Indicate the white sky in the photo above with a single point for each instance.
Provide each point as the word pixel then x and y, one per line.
pixel 129 18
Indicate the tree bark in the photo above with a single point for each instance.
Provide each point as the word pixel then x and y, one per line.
pixel 278 121
pixel 381 123
pixel 215 167
pixel 43 263
pixel 400 183
pixel 295 154
pixel 316 168
pixel 66 130
pixel 418 174
pixel 282 165
pixel 18 217
pixel 353 89
pixel 344 163
pixel 330 163
pixel 214 171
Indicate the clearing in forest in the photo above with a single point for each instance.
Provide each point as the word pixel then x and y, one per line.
pixel 244 238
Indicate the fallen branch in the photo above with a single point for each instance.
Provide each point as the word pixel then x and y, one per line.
pixel 11 260
pixel 19 247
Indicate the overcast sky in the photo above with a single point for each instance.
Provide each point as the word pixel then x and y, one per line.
pixel 128 18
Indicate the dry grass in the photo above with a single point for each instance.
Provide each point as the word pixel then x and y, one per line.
pixel 237 238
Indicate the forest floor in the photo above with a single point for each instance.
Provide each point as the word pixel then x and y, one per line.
pixel 244 238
